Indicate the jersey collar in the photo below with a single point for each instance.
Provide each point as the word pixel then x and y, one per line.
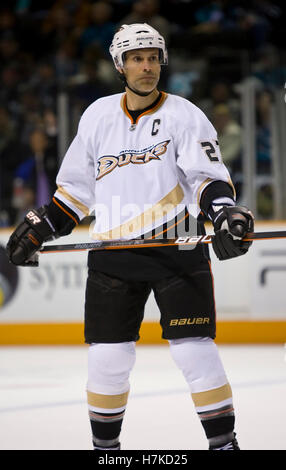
pixel 150 110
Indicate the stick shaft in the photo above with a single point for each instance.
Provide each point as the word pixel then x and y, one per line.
pixel 142 243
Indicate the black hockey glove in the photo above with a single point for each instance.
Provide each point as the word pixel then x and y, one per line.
pixel 28 237
pixel 231 223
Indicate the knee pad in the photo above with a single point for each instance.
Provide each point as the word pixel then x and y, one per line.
pixel 109 367
pixel 199 360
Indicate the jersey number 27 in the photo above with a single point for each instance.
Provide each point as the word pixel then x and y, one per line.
pixel 210 150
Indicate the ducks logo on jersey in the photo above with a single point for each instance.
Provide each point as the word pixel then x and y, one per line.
pixel 108 163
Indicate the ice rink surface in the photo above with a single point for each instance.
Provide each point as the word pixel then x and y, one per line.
pixel 43 400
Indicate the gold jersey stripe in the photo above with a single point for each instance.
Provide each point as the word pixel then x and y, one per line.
pixel 107 401
pixel 2 297
pixel 212 396
pixel 79 205
pixel 147 218
pixel 201 188
pixel 232 187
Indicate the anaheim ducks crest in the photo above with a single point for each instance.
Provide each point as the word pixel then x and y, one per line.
pixel 108 163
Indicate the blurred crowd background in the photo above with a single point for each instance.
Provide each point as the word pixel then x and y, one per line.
pixel 54 62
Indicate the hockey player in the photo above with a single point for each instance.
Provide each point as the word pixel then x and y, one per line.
pixel 149 164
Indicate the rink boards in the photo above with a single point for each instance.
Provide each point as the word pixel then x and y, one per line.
pixel 44 305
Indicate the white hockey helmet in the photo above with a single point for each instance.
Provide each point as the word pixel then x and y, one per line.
pixel 136 36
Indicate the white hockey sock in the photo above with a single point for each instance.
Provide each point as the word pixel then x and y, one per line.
pixel 109 366
pixel 200 363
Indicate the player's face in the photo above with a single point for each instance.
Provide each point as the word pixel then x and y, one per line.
pixel 142 69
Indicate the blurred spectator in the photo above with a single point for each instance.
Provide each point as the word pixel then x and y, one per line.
pixel 30 114
pixel 7 128
pixel 10 157
pixel 65 61
pixel 94 57
pixel 221 93
pixel 50 126
pixel 89 85
pixel 100 29
pixel 9 27
pixel 56 27
pixel 255 24
pixel 9 87
pixel 147 11
pixel 208 18
pixel 43 83
pixel 23 200
pixel 265 21
pixel 10 80
pixel 263 133
pixel 268 69
pixel 182 83
pixel 229 137
pixel 35 176
pixel 216 25
pixel 7 19
pixel 7 135
pixel 227 24
pixel 9 49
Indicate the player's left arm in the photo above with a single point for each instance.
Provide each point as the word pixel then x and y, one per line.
pixel 218 202
pixel 200 159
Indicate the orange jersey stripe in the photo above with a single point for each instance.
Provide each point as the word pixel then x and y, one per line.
pixel 65 211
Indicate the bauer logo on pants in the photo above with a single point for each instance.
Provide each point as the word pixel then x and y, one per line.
pixel 189 321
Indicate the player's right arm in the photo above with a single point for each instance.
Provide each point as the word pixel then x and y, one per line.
pixel 39 225
pixel 70 204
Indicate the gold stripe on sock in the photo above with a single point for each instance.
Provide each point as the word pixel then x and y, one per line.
pixel 107 401
pixel 212 396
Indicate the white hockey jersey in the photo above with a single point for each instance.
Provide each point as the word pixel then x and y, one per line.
pixel 137 176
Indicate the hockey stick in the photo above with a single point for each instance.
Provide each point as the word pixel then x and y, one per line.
pixel 142 243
